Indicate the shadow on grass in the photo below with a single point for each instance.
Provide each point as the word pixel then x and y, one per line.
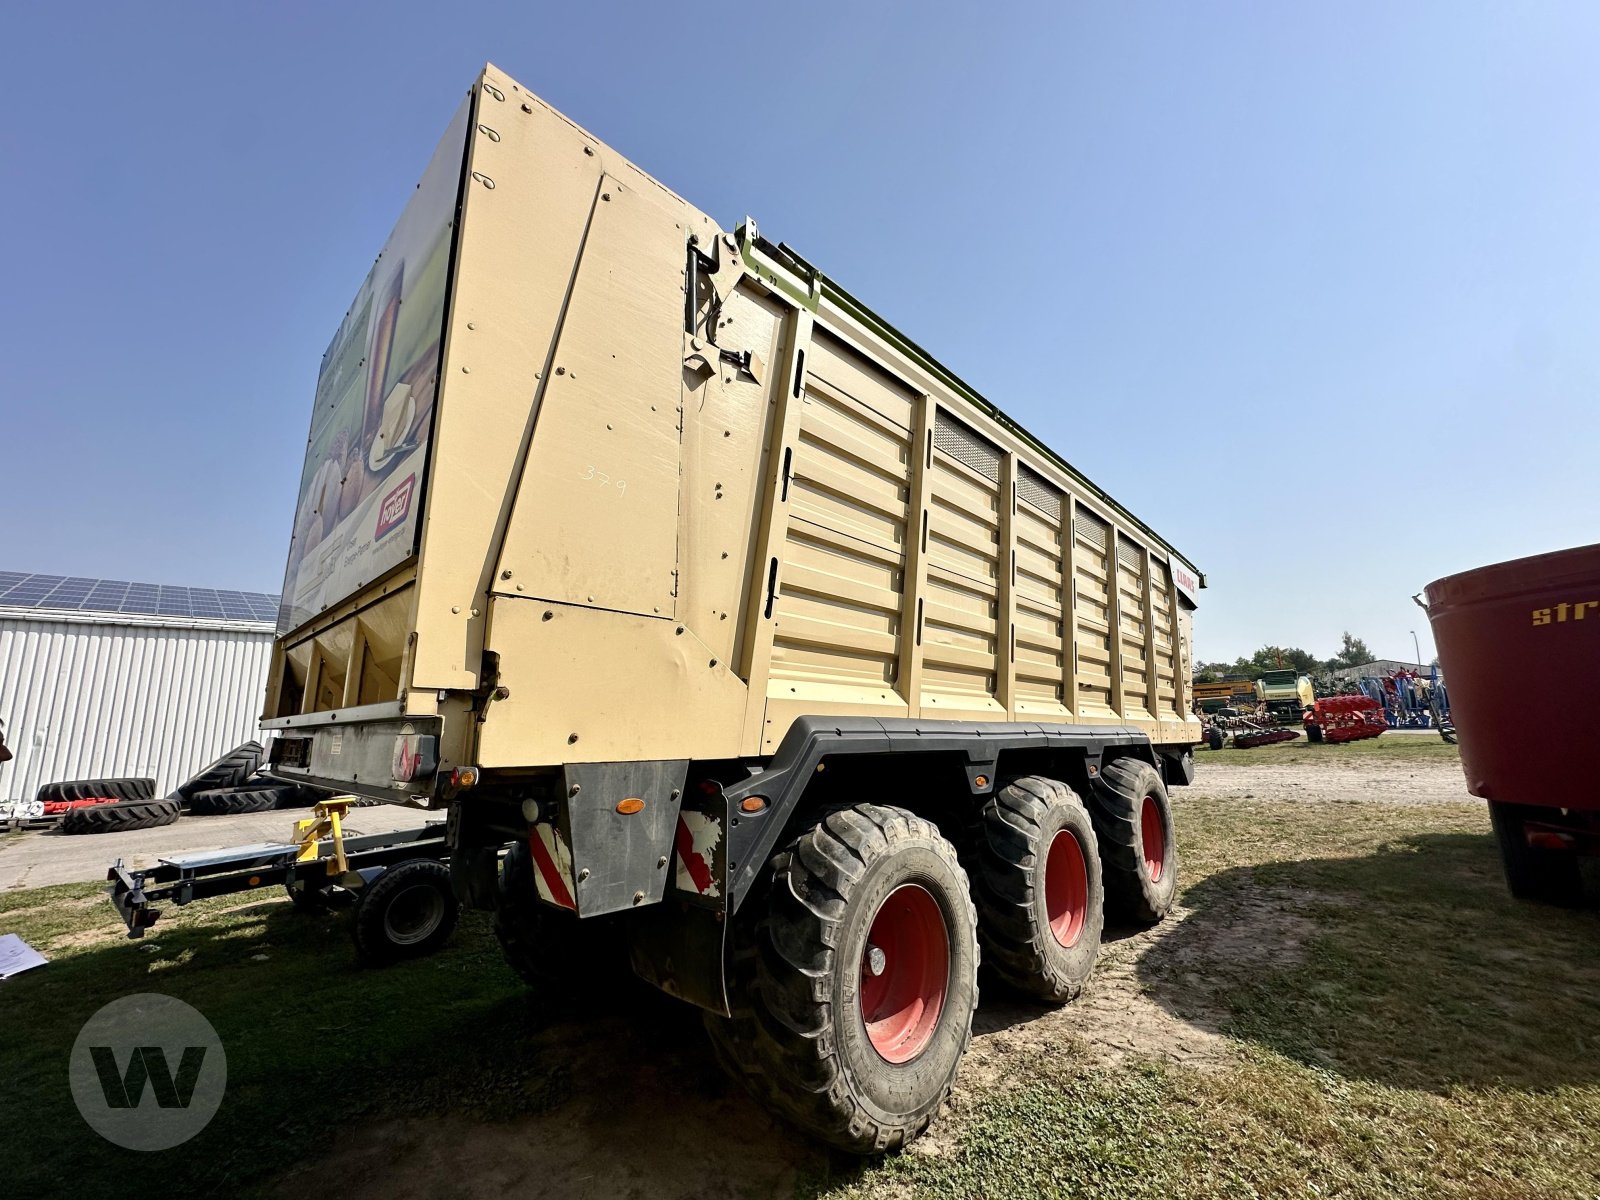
pixel 1410 967
pixel 433 1078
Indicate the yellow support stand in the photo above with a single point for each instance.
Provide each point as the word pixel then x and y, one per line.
pixel 328 822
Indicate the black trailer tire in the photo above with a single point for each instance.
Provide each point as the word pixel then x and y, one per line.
pixel 228 802
pixel 231 770
pixel 1314 734
pixel 822 1031
pixel 1532 872
pixel 1215 738
pixel 121 816
pixel 409 911
pixel 120 788
pixel 545 946
pixel 294 795
pixel 1035 868
pixel 1133 818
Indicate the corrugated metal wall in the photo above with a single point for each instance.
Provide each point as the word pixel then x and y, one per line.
pixel 84 698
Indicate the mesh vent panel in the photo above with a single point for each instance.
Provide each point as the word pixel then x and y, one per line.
pixel 1091 528
pixel 1037 491
pixel 966 445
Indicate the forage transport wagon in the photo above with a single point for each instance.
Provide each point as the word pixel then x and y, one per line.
pixel 738 636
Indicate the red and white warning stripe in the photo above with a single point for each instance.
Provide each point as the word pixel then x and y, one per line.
pixel 552 862
pixel 698 835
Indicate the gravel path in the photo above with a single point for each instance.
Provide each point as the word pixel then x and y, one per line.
pixel 42 858
pixel 1335 782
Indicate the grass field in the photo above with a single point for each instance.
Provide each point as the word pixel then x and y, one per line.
pixel 1394 1025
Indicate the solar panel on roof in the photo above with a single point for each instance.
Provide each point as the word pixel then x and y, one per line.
pixel 21 590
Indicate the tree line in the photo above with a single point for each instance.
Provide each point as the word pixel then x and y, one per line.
pixel 1352 653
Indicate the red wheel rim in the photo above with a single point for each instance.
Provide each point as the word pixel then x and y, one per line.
pixel 1066 888
pixel 905 969
pixel 1153 833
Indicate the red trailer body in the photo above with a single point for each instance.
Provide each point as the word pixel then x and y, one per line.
pixel 1519 643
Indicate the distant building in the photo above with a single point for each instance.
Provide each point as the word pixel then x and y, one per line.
pixel 1378 667
pixel 100 678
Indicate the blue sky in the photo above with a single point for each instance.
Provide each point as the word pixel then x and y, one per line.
pixel 1314 290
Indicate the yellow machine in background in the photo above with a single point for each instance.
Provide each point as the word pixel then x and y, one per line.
pixel 1286 694
pixel 1233 692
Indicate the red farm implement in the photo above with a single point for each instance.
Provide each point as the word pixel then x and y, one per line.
pixel 1246 733
pixel 1345 719
pixel 1248 739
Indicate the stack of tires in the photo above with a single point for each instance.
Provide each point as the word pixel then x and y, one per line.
pixel 126 803
pixel 231 785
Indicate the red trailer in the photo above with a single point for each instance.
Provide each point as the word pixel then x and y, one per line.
pixel 1520 644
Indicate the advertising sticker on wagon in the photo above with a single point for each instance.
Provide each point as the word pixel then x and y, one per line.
pixel 355 517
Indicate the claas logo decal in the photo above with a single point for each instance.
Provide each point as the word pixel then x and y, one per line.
pixel 395 508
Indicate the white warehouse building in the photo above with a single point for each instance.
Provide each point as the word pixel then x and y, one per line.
pixel 104 678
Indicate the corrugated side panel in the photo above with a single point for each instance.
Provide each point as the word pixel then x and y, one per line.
pixel 844 557
pixel 83 700
pixel 1042 645
pixel 1092 613
pixel 1130 568
pixel 961 635
pixel 1166 651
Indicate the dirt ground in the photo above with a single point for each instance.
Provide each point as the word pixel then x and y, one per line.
pixel 1336 780
pixel 645 1112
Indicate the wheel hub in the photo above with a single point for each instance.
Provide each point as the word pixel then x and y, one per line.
pixel 413 914
pixel 1153 833
pixel 1066 888
pixel 905 972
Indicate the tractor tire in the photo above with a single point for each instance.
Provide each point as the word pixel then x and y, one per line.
pixel 126 788
pixel 1533 872
pixel 1215 738
pixel 1138 853
pixel 121 816
pixel 853 992
pixel 1035 868
pixel 228 802
pixel 229 771
pixel 292 795
pixel 1314 734
pixel 545 946
pixel 409 911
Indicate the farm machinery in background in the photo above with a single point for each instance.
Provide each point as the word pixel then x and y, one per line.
pixel 1412 701
pixel 1396 700
pixel 1248 729
pixel 1344 719
pixel 1253 712
pixel 1284 695
pixel 1231 691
